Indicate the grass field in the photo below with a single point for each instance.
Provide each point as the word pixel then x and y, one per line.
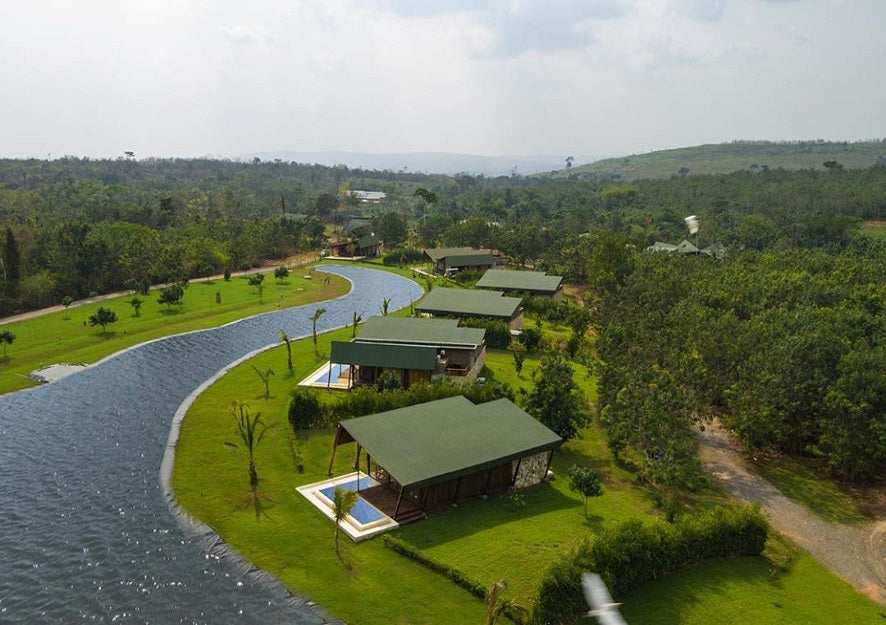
pixel 66 336
pixel 505 536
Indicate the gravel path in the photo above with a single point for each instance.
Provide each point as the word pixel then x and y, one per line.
pixel 855 553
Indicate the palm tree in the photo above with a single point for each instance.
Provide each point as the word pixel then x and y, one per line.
pixel 496 606
pixel 285 338
pixel 265 378
pixel 343 501
pixel 357 320
pixel 314 317
pixel 251 431
pixel 385 302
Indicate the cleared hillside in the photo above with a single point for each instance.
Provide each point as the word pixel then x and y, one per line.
pixel 729 157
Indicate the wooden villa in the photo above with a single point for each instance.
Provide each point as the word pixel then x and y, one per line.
pixel 448 260
pixel 418 349
pixel 533 282
pixel 443 302
pixel 441 452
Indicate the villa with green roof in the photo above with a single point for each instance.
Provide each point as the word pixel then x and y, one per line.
pixel 418 349
pixel 444 302
pixel 442 452
pixel 450 259
pixel 532 282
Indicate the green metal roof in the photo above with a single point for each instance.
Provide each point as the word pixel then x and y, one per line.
pixel 436 332
pixel 469 302
pixel 440 440
pixel 532 281
pixel 461 256
pixel 386 355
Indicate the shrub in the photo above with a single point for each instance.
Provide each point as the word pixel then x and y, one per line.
pixel 389 380
pixel 400 255
pixel 531 338
pixel 498 333
pixel 634 553
pixel 467 277
pixel 305 411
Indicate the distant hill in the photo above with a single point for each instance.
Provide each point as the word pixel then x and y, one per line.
pixel 729 157
pixel 427 162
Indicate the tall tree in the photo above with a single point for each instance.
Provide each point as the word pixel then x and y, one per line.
pixel 556 400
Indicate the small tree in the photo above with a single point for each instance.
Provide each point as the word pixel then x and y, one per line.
pixel 385 302
pixel 317 314
pixel 343 501
pixel 136 303
pixel 265 378
pixel 285 338
pixel 67 300
pixel 171 296
pixel 102 317
pixel 256 280
pixel 6 338
pixel 251 431
pixel 586 482
pixel 519 357
pixel 281 273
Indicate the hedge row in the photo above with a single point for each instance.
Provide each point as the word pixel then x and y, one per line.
pixel 634 553
pixel 306 412
pixel 472 586
pixel 402 255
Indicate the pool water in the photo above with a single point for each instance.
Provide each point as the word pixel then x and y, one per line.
pixel 337 372
pixel 363 512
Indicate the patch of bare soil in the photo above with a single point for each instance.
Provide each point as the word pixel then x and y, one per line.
pixel 855 553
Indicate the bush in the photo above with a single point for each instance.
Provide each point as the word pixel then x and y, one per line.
pixel 467 277
pixel 531 338
pixel 498 333
pixel 634 553
pixel 305 411
pixel 400 255
pixel 389 380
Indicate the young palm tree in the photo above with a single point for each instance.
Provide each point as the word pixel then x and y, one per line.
pixel 496 605
pixel 285 338
pixel 357 320
pixel 343 501
pixel 314 317
pixel 251 431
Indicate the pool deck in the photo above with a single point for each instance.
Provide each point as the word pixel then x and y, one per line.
pixel 321 374
pixel 356 530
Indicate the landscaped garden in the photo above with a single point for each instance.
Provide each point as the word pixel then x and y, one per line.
pixel 515 537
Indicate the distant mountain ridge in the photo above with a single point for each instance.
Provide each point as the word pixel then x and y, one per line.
pixel 429 162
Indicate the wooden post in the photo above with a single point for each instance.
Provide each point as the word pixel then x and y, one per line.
pixel 516 472
pixel 357 459
pixel 488 477
pixel 399 499
pixel 334 447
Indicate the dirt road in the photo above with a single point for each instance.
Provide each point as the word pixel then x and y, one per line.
pixel 855 553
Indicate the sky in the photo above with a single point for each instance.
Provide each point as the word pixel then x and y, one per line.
pixel 191 78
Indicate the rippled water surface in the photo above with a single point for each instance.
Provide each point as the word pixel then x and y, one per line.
pixel 85 533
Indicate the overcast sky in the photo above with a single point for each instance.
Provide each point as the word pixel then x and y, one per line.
pixel 493 77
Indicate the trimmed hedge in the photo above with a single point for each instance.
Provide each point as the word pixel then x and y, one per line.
pixel 498 333
pixel 460 579
pixel 305 411
pixel 408 255
pixel 634 553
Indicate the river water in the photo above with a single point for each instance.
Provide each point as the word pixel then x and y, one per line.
pixel 85 531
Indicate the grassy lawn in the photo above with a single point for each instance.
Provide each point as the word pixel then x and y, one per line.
pixel 66 336
pixel 505 536
pixel 873 229
pixel 800 481
pixel 737 591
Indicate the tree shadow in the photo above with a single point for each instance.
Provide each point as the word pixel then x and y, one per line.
pixel 260 503
pixel 169 312
pixel 106 335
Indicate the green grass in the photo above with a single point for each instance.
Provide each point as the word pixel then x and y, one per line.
pixel 67 337
pixel 737 591
pixel 801 481
pixel 873 229
pixel 512 537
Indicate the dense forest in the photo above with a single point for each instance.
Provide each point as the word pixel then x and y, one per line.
pixel 783 335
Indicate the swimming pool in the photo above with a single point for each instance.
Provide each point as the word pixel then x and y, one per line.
pixel 337 372
pixel 363 512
